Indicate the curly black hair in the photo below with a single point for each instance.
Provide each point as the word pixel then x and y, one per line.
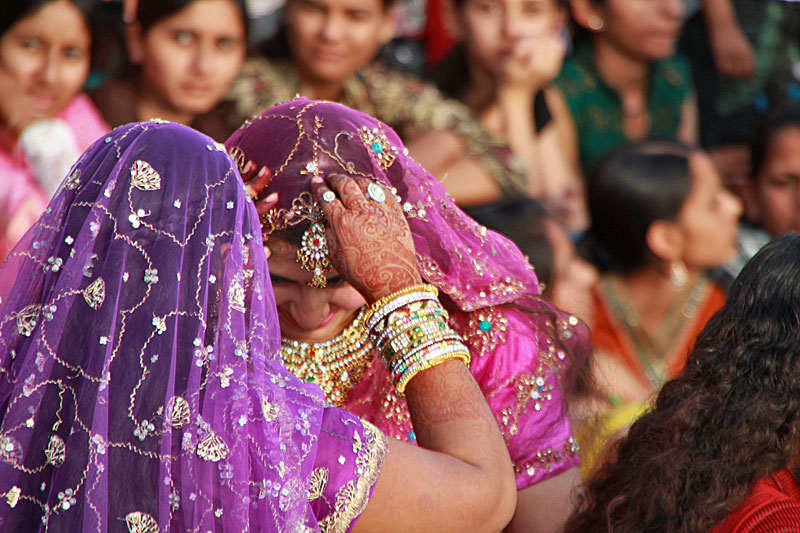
pixel 730 418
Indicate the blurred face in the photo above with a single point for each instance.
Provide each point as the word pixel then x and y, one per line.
pixel 643 29
pixel 778 184
pixel 306 313
pixel 331 39
pixel 190 59
pixel 708 220
pixel 573 278
pixel 44 60
pixel 492 27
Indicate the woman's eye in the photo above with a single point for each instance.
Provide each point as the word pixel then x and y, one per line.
pixel 73 53
pixel 279 280
pixel 183 37
pixel 338 280
pixel 31 43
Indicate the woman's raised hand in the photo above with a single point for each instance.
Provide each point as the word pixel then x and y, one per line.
pixel 255 183
pixel 368 237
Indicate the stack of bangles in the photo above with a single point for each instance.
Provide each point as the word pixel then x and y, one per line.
pixel 409 328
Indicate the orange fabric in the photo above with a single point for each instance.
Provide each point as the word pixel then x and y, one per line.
pixel 608 335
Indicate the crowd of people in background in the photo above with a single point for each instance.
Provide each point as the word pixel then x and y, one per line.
pixel 639 155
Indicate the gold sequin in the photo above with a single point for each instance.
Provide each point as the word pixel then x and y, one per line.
pixel 318 483
pixel 236 296
pixel 139 522
pixel 95 293
pixel 73 180
pixel 212 448
pixel 144 177
pixel 178 411
pixel 56 451
pixel 237 154
pixel 12 497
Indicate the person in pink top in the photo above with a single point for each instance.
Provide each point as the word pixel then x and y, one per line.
pixel 45 121
pixel 521 346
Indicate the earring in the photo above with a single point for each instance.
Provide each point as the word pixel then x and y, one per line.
pixel 313 254
pixel 595 23
pixel 678 273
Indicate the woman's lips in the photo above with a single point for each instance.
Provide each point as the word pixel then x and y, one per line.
pixel 288 317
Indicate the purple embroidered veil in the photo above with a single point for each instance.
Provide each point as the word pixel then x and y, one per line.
pixel 139 384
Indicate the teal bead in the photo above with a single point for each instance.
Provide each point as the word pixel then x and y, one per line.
pixel 377 147
pixel 485 325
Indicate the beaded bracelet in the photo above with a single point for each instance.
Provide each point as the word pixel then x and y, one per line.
pixel 403 351
pixel 401 301
pixel 411 330
pixel 402 324
pixel 424 287
pixel 400 364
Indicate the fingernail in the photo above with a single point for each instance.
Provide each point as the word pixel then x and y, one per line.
pixel 262 172
pixel 317 180
pixel 271 197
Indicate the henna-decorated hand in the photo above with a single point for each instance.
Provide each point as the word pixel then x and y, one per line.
pixel 370 243
pixel 255 183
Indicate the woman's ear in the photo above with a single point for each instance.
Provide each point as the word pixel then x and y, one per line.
pixel 134 43
pixel 664 239
pixel 586 14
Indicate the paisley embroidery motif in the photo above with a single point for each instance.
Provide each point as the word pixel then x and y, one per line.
pixel 318 483
pixel 27 318
pixel 212 448
pixel 178 412
pixel 144 177
pixel 95 293
pixel 56 451
pixel 139 522
pixel 236 296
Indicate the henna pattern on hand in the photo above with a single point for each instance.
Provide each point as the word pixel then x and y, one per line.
pixel 370 243
pixel 444 393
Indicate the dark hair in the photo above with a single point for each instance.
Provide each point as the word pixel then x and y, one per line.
pixel 766 133
pixel 149 12
pixel 731 418
pixel 629 189
pixel 12 11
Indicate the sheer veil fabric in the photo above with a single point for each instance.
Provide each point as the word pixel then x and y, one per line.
pixel 140 386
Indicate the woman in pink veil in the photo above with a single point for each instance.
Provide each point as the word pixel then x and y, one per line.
pixel 521 345
pixel 140 386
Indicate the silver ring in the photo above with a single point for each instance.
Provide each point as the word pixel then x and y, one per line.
pixel 328 196
pixel 375 192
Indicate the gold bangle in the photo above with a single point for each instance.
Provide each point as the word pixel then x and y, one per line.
pixel 430 363
pixel 424 287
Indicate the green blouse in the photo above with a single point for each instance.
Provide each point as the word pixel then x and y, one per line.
pixel 597 109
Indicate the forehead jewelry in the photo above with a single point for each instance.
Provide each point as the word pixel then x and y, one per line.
pixel 313 254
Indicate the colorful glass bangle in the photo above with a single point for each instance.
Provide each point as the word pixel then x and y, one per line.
pixel 424 287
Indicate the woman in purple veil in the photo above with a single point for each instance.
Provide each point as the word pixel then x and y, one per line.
pixel 140 386
pixel 521 345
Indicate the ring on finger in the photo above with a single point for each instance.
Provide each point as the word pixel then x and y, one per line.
pixel 328 196
pixel 376 192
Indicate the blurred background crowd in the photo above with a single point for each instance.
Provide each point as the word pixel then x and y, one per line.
pixel 637 151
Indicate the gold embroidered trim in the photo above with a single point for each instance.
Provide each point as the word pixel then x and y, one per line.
pixel 549 457
pixel 352 498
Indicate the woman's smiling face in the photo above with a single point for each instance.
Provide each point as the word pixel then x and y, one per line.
pixel 306 313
